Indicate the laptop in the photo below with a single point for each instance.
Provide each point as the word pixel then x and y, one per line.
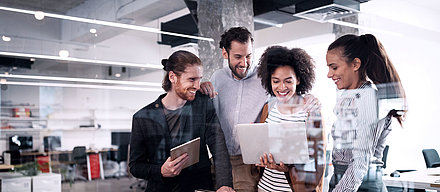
pixel 286 141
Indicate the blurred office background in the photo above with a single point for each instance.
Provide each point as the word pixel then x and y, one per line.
pixel 72 73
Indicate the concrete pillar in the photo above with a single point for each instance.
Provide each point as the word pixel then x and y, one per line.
pixel 216 16
pixel 340 30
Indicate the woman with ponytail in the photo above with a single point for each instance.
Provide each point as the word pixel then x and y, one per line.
pixel 363 73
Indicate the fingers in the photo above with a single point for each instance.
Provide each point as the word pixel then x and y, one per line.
pixel 261 163
pixel 179 163
pixel 208 89
pixel 282 167
pixel 265 159
pixel 180 158
pixel 311 103
pixel 215 94
pixel 177 168
pixel 203 90
pixel 271 160
pixel 172 168
pixel 225 189
pixel 204 87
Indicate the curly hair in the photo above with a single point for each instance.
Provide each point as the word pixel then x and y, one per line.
pixel 278 56
pixel 240 34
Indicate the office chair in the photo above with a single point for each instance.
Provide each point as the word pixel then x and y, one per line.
pixel 79 156
pixel 15 157
pixel 121 157
pixel 431 158
pixel 384 156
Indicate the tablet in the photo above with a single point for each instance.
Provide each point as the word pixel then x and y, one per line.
pixel 286 141
pixel 192 148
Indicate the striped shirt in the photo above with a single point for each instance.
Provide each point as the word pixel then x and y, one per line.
pixel 273 180
pixel 354 134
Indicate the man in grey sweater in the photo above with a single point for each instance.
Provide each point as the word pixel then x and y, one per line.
pixel 239 98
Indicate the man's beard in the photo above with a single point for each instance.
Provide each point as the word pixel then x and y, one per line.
pixel 234 70
pixel 183 93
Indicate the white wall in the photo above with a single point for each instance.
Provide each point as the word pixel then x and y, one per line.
pixel 414 56
pixel 412 51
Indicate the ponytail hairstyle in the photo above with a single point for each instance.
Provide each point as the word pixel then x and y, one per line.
pixel 177 63
pixel 375 63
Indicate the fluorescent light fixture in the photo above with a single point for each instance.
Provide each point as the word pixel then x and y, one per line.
pixel 107 23
pixel 347 24
pixel 6 38
pixel 101 62
pixel 81 86
pixel 39 15
pixel 84 80
pixel 266 22
pixel 63 53
pixel 118 75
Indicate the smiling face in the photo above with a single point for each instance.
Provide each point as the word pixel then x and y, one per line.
pixel 284 82
pixel 345 75
pixel 186 84
pixel 239 58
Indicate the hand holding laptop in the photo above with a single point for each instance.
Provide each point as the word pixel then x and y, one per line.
pixel 268 161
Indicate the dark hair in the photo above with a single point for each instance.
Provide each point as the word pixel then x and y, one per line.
pixel 278 56
pixel 177 63
pixel 375 63
pixel 240 34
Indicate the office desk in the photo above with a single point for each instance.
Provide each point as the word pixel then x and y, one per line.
pixel 91 159
pixel 6 167
pixel 65 152
pixel 423 179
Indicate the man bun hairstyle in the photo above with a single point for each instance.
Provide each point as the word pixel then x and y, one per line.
pixel 177 63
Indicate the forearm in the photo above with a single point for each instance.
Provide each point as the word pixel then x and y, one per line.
pixel 146 171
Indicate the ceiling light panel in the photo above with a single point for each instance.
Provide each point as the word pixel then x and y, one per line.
pixel 105 23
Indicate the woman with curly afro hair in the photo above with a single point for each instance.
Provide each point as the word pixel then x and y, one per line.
pixel 288 75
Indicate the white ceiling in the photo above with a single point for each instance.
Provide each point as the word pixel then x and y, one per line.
pixel 50 6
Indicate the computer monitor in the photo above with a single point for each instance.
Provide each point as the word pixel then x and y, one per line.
pixel 121 138
pixel 20 142
pixel 52 143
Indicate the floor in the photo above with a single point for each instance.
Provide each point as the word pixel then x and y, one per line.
pixel 108 185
